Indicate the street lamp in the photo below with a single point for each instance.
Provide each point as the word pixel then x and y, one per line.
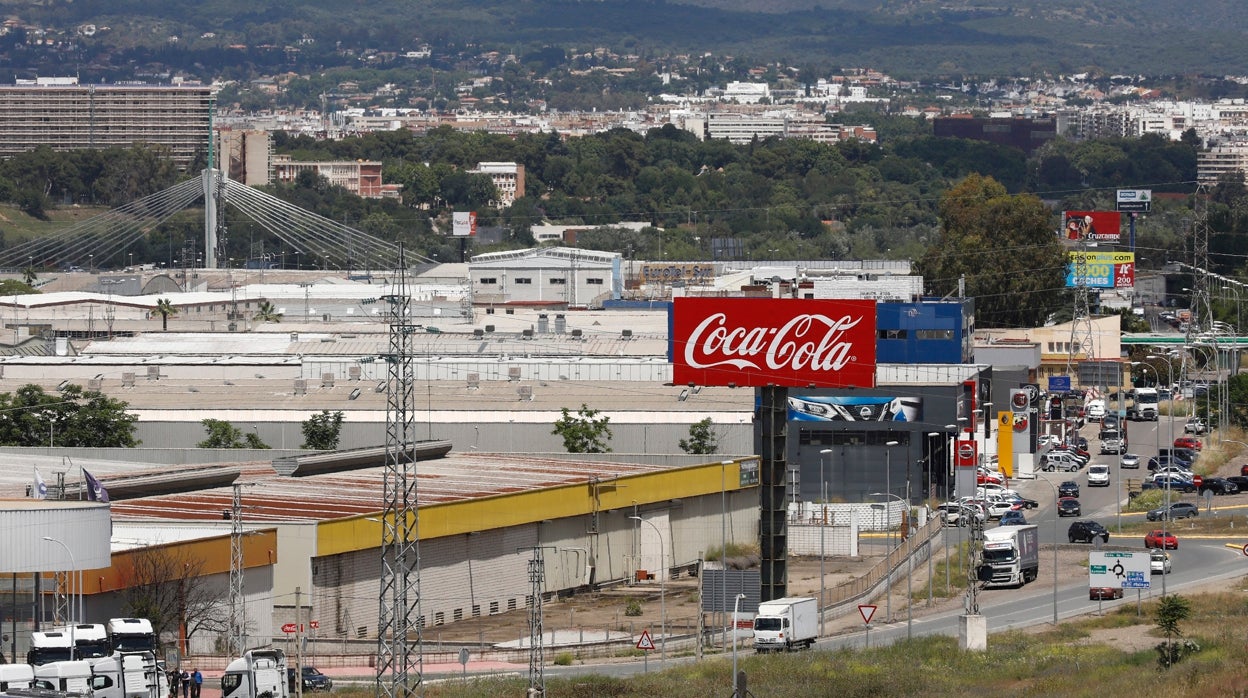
pixel 909 574
pixel 823 508
pixel 736 605
pixel 723 539
pixel 888 522
pixel 1057 517
pixel 73 565
pixel 663 593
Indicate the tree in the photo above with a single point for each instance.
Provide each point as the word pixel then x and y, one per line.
pixel 29 276
pixel 223 434
pixel 1171 611
pixel 321 431
pixel 266 312
pixel 165 308
pixel 584 433
pixel 75 417
pixel 701 439
pixel 1004 247
pixel 14 287
pixel 168 586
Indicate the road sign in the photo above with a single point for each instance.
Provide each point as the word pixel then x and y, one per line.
pixel 1246 549
pixel 1119 570
pixel 646 642
pixel 1059 384
pixel 463 656
pixel 1140 200
pixel 314 624
pixel 868 612
pixel 290 628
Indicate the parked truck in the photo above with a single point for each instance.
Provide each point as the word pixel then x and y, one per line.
pixel 132 635
pixel 128 675
pixel 1011 556
pixel 784 624
pixel 69 677
pixel 257 673
pixel 16 676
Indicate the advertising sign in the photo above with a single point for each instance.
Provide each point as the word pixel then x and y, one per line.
pixel 964 453
pixel 1005 442
pixel 1093 226
pixel 854 408
pixel 464 223
pixel 1103 269
pixel 757 342
pixel 1135 200
pixel 1059 384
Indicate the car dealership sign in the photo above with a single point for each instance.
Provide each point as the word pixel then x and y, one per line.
pixel 755 342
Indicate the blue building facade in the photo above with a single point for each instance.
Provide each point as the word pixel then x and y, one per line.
pixel 930 331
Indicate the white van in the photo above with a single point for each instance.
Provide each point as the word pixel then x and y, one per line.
pixel 1058 460
pixel 1095 409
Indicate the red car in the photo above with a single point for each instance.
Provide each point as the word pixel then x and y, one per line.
pixel 1187 442
pixel 1158 538
pixel 1106 593
pixel 984 477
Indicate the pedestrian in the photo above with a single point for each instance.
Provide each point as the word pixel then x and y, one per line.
pixel 185 679
pixel 197 682
pixel 174 677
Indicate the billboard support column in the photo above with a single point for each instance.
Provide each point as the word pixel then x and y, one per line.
pixel 773 545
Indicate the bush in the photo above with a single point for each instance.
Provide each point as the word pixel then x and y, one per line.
pixel 633 608
pixel 564 659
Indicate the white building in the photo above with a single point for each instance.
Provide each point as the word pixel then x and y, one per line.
pixel 561 277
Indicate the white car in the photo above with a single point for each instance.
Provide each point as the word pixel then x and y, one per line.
pixel 1159 562
pixel 1098 475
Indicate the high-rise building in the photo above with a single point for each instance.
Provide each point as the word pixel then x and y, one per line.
pixel 64 115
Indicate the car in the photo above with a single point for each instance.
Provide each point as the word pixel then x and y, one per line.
pixel 1158 538
pixel 313 679
pixel 1217 485
pixel 1196 426
pixel 1173 482
pixel 1019 500
pixel 1129 460
pixel 1087 532
pixel 1069 506
pixel 1176 510
pixel 1110 423
pixel 1168 459
pixel 1241 481
pixel 1104 593
pixel 1159 561
pixel 1013 517
pixel 1098 475
pixel 1188 442
pixel 983 477
pixel 958 514
pixel 1173 471
pixel 1068 488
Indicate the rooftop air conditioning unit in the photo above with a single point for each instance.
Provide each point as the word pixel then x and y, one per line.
pixel 474 380
pixel 513 373
pixel 625 334
pixel 526 392
pixel 327 380
pixel 153 373
pixel 127 380
pixel 353 373
pixel 301 386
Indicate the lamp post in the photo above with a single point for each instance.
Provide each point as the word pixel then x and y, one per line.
pixel 1157 377
pixel 823 507
pixel 909 574
pixel 888 523
pixel 1056 521
pixel 736 605
pixel 73 565
pixel 723 538
pixel 663 592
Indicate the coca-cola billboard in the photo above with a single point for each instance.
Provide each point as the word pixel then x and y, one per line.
pixel 755 342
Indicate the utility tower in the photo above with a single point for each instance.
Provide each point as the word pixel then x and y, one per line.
pixel 1202 309
pixel 1081 315
pixel 399 657
pixel 238 609
pixel 537 656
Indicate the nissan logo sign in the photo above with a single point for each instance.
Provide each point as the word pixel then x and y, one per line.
pixel 966 452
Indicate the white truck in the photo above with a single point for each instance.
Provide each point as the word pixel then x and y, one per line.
pixel 132 635
pixel 128 675
pixel 16 676
pixel 257 673
pixel 784 624
pixel 67 677
pixel 1146 408
pixel 1011 556
pixel 47 646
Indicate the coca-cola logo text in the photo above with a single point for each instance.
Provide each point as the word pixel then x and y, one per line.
pixel 804 342
pixel 771 341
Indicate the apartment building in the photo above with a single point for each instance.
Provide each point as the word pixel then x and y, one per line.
pixel 1221 160
pixel 360 177
pixel 508 178
pixel 245 155
pixel 64 115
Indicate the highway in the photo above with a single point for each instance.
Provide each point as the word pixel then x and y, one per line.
pixel 1197 562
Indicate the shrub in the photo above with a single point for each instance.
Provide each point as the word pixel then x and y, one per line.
pixel 632 608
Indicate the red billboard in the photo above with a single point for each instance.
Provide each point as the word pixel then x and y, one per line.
pixel 1093 226
pixel 756 342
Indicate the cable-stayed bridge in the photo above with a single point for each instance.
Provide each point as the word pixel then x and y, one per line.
pixel 110 234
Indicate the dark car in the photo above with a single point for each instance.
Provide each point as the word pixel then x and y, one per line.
pixel 1168 459
pixel 1068 506
pixel 1104 593
pixel 1068 488
pixel 1174 482
pixel 1087 532
pixel 1013 517
pixel 1177 510
pixel 313 679
pixel 1218 485
pixel 1240 481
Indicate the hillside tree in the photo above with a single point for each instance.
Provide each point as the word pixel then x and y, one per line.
pixel 585 432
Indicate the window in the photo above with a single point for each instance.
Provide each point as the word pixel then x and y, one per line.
pixel 891 334
pixel 524 280
pixel 936 334
pixel 488 281
pixel 558 281
pixel 594 281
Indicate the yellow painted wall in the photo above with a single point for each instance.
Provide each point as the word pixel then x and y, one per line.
pixel 259 550
pixel 513 509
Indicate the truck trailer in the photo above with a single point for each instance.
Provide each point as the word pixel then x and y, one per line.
pixel 257 673
pixel 786 624
pixel 1011 556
